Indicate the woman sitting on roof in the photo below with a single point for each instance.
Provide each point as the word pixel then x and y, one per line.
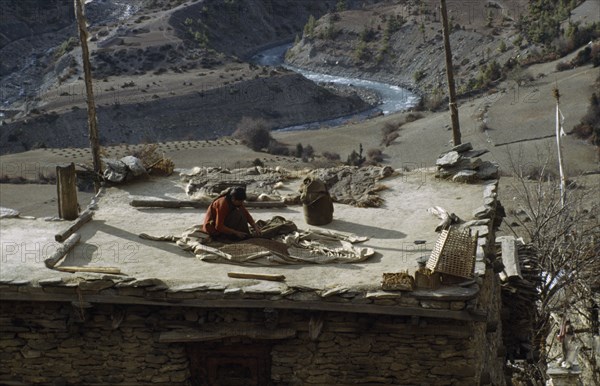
pixel 227 217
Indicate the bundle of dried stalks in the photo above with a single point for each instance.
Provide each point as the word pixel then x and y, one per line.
pixel 163 166
pixel 148 154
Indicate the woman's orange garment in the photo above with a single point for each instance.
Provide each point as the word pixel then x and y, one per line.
pixel 217 213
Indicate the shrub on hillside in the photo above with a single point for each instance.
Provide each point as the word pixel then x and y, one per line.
pixel 488 74
pixel 576 36
pixel 411 117
pixel 563 66
pixel 519 75
pixel 389 133
pixel 367 34
pixel 277 148
pixel 374 156
pixel 299 150
pixel 596 54
pixel 419 75
pixel 432 101
pixel 388 128
pixel 361 52
pixel 542 23
pixel 356 158
pixel 309 28
pixel 589 127
pixel 390 138
pixel 331 156
pixel 304 152
pixel 66 46
pixel 309 152
pixel 254 133
pixel 583 57
pixel 591 53
pixel 582 130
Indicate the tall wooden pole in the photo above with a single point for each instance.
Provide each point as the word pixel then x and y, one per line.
pixel 563 181
pixel 91 104
pixel 450 75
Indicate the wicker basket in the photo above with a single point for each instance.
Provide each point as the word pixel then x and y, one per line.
pixel 397 281
pixel 454 253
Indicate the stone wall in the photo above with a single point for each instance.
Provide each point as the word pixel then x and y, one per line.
pixel 489 335
pixel 58 343
pixel 376 354
pixel 45 343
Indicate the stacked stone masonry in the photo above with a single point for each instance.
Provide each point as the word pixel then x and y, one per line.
pixel 59 343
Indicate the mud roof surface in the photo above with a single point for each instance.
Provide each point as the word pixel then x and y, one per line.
pixel 112 239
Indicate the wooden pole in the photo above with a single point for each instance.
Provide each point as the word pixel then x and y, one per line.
pixel 62 251
pixel 107 270
pixel 563 182
pixel 66 191
pixel 259 276
pixel 200 204
pixel 85 216
pixel 450 75
pixel 91 105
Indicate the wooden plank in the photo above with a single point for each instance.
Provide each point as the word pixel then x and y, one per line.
pixel 206 333
pixel 72 269
pixel 448 293
pixel 259 276
pixel 477 316
pixel 66 190
pixel 62 250
pixel 510 259
pixel 84 217
pixel 199 204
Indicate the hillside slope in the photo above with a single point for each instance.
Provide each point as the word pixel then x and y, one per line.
pixel 402 42
pixel 282 99
pixel 155 75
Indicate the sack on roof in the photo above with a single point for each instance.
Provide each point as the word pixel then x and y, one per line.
pixel 316 201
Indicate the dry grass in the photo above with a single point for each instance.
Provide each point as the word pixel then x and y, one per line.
pixel 163 166
pixel 153 161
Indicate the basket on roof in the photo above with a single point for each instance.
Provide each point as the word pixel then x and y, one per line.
pixel 454 253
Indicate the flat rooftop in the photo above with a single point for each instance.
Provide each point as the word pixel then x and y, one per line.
pixel 112 239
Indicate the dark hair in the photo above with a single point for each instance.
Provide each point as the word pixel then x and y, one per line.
pixel 238 193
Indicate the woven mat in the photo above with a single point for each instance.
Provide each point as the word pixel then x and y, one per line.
pixel 303 247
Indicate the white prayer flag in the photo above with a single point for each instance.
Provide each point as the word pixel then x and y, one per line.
pixel 562 120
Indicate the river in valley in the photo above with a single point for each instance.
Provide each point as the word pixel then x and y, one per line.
pixel 392 98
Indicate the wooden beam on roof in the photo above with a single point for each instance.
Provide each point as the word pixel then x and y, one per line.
pixel 62 250
pixel 475 315
pixel 107 270
pixel 258 276
pixel 199 204
pixel 208 332
pixel 83 218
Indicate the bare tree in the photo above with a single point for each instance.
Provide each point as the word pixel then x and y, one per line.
pixel 567 244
